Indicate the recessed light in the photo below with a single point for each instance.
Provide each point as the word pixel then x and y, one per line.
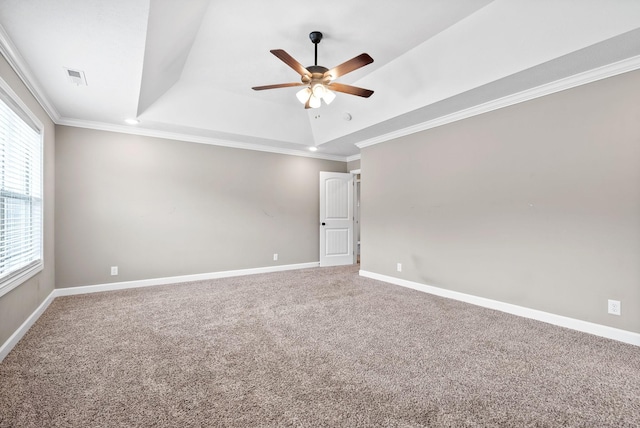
pixel 313 149
pixel 132 121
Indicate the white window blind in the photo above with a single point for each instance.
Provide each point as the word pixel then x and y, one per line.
pixel 20 193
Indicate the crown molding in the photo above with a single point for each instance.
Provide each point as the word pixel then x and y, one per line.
pixel 353 158
pixel 15 60
pixel 610 70
pixel 137 130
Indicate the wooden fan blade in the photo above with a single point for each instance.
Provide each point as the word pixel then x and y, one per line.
pixel 348 89
pixel 349 66
pixel 291 62
pixel 279 85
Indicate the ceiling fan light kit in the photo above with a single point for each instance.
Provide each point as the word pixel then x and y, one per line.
pixel 318 80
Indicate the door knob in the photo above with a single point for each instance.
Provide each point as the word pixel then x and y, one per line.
pixel 323 224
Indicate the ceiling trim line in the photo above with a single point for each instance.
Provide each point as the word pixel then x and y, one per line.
pixel 123 129
pixel 353 158
pixel 19 66
pixel 610 70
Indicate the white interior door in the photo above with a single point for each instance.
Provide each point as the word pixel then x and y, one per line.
pixel 336 219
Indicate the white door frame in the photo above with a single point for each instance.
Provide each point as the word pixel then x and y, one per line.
pixel 356 214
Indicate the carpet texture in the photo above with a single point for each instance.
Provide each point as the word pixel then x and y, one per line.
pixel 314 347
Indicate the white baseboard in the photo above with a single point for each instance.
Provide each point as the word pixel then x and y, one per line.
pixel 559 320
pixel 22 330
pixel 97 288
pixel 70 291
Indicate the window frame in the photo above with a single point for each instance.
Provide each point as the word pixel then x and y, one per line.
pixel 20 276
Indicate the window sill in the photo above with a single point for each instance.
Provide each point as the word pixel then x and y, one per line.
pixel 21 278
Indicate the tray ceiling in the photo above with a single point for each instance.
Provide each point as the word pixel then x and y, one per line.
pixel 185 69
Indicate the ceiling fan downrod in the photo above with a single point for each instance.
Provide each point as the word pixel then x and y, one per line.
pixel 315 37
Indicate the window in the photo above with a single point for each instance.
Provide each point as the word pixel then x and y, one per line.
pixel 20 192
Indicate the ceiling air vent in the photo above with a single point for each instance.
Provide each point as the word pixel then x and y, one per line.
pixel 76 77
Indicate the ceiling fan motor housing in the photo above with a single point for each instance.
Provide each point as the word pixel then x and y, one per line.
pixel 317 75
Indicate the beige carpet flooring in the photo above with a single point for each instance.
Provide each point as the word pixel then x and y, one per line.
pixel 314 347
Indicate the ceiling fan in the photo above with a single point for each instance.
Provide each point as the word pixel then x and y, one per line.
pixel 319 80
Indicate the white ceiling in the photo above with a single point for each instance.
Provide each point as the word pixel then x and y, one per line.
pixel 185 68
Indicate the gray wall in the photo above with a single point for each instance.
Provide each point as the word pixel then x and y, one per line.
pixel 160 208
pixel 537 204
pixel 19 303
pixel 353 165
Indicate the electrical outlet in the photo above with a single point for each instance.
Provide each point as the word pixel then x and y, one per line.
pixel 114 270
pixel 614 307
pixel 275 256
pixel 399 267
